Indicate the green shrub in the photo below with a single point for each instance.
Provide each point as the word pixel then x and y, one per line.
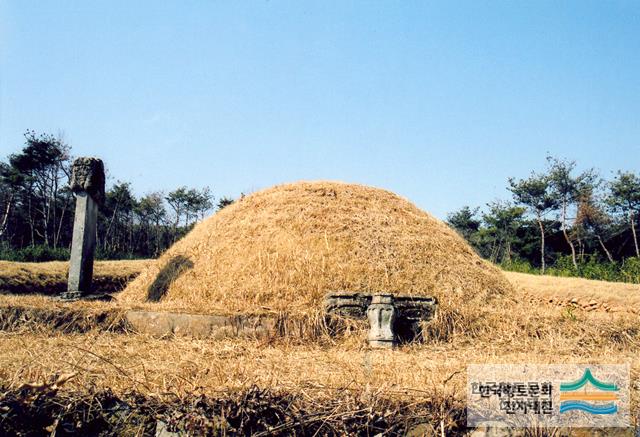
pixel 43 253
pixel 591 268
pixel 108 254
pixel 38 253
pixel 520 266
pixel 630 270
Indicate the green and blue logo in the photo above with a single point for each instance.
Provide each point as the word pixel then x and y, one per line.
pixel 574 396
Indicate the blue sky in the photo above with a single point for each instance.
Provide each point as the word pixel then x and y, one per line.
pixel 438 101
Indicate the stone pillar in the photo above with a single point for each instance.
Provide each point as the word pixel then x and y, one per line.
pixel 87 182
pixel 382 316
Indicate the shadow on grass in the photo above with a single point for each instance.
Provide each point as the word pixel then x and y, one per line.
pixel 171 271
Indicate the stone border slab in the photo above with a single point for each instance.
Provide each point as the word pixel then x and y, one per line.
pixel 164 324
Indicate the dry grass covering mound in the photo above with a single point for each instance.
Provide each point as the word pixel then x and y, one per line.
pixel 283 248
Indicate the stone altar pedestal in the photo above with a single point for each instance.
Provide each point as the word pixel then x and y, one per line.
pixel 382 317
pixel 87 182
pixel 392 318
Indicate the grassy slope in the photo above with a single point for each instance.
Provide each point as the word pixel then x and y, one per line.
pixel 612 296
pixel 51 277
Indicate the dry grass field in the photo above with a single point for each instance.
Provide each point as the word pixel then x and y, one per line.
pixel 51 277
pixel 586 293
pixel 69 365
pixel 419 387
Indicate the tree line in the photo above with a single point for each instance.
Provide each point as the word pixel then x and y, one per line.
pixel 560 221
pixel 37 208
